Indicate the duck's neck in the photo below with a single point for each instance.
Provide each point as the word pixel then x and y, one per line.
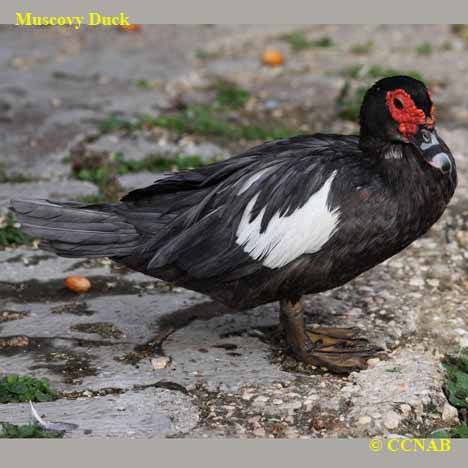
pixel 424 192
pixel 398 165
pixel 371 144
pixel 392 158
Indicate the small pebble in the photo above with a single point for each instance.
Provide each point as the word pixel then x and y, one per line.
pixel 405 409
pixel 449 413
pixel 160 362
pixel 372 362
pixel 260 400
pixel 392 420
pixel 364 420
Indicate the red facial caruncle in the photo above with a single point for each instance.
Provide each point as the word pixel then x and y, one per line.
pixel 404 111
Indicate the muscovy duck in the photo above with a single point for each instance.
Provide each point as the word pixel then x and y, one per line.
pixel 286 218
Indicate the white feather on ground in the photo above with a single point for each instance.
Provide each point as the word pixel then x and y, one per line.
pixel 51 426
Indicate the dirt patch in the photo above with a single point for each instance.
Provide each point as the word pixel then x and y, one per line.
pixel 166 384
pixel 13 342
pixel 56 354
pixel 104 329
pixel 99 263
pixel 32 260
pixel 55 290
pixel 72 366
pixel 152 347
pixel 75 308
pixel 281 411
pixel 8 315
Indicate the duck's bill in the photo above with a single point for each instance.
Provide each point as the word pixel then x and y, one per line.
pixel 433 150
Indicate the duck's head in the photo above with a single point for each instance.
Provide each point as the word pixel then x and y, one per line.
pixel 399 109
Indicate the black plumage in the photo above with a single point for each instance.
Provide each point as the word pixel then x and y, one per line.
pixel 184 228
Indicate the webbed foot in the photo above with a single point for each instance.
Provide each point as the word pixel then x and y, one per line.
pixel 341 350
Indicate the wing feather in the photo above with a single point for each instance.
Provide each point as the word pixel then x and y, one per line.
pixel 267 185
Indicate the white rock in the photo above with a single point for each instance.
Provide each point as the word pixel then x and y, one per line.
pixel 260 432
pixel 392 420
pixel 364 420
pixel 293 405
pixel 372 362
pixel 260 400
pixel 160 362
pixel 405 409
pixel 415 281
pixel 449 413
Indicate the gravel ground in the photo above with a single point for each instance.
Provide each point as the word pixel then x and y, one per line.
pixel 138 358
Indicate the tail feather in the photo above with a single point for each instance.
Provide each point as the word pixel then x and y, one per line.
pixel 75 229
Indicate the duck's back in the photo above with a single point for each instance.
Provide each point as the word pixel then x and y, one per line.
pixel 243 229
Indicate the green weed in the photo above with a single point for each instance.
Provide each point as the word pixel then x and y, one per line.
pixel 362 49
pixel 424 49
pixel 146 84
pixel 12 178
pixel 231 95
pixel 197 120
pixel 157 163
pixel 10 234
pixel 201 54
pixel 105 174
pixel 324 41
pixel 460 30
pixel 27 431
pixel 456 390
pixel 91 199
pixel 16 388
pixel 456 385
pixel 377 72
pixel 298 41
pixel 349 101
pixel 456 432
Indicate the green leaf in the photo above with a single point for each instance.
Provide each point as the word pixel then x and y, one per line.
pixel 12 378
pixel 14 388
pixel 18 388
pixel 442 434
pixel 459 432
pixel 27 431
pixel 40 396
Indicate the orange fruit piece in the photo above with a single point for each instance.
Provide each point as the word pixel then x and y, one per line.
pixel 78 284
pixel 272 57
pixel 130 27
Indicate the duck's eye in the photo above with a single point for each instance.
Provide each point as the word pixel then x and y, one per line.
pixel 397 103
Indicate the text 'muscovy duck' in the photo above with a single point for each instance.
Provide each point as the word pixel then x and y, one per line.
pixel 286 218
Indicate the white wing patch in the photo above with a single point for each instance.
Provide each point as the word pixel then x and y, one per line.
pixel 288 237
